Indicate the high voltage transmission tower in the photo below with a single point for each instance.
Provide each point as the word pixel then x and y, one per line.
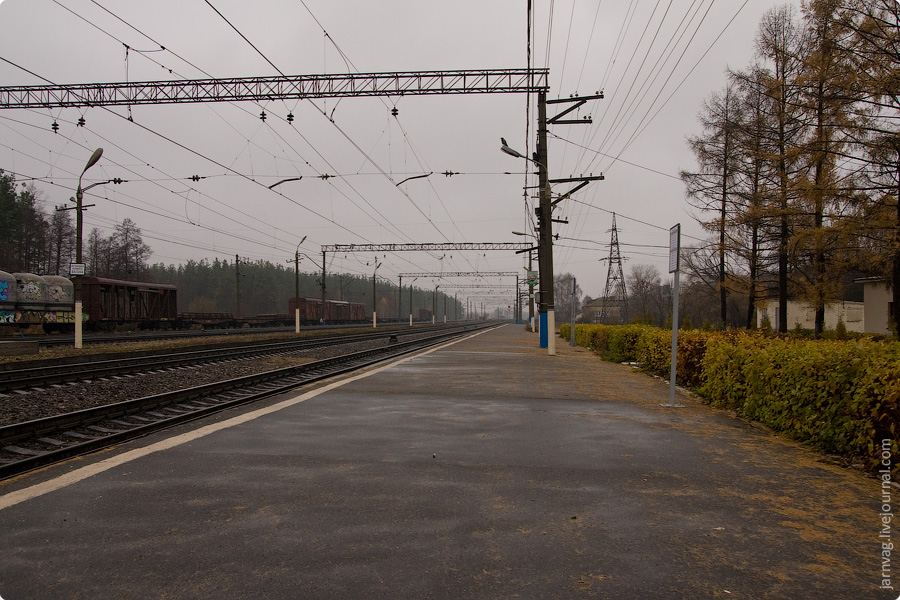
pixel 614 295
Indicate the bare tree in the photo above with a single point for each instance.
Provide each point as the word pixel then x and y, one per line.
pixel 562 289
pixel 62 243
pixel 131 253
pixel 646 294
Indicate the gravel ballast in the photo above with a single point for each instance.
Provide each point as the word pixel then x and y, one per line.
pixel 37 403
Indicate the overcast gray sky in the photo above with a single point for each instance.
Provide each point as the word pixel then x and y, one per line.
pixel 646 55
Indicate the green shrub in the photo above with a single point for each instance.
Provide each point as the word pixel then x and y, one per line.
pixel 842 397
pixel 691 350
pixel 654 351
pixel 623 341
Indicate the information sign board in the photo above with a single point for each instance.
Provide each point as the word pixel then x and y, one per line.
pixel 675 248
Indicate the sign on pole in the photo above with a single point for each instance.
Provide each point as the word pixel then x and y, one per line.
pixel 674 267
pixel 76 269
pixel 675 248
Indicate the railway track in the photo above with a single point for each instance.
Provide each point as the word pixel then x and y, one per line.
pixel 61 372
pixel 46 341
pixel 38 443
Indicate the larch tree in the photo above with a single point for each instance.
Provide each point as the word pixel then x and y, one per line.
pixel 827 95
pixel 876 56
pixel 710 188
pixel 780 49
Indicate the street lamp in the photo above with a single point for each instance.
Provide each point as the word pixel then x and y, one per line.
pixel 297 287
pixel 79 195
pixel 374 295
pixel 515 153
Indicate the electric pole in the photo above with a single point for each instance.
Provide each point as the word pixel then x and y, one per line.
pixel 237 284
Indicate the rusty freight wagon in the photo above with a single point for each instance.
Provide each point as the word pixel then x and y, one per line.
pixel 110 302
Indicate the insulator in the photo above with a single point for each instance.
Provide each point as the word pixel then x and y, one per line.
pixel 55 127
pixel 290 117
pixel 81 121
pixel 117 180
pixel 262 116
pixel 394 111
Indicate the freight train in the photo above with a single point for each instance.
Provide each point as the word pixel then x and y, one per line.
pixel 48 302
pixel 336 311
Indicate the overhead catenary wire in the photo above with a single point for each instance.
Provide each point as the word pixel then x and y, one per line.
pixel 332 121
pixel 384 220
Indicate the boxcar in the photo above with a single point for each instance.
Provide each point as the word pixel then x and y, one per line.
pixel 336 311
pixel 357 312
pixel 109 301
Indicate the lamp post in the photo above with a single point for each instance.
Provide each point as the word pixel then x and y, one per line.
pixel 297 287
pixel 374 296
pixel 79 195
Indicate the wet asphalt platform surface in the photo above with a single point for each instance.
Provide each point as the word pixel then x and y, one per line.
pixel 484 469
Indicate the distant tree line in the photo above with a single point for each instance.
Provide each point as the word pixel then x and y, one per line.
pixel 35 239
pixel 246 288
pixel 32 241
pixel 799 162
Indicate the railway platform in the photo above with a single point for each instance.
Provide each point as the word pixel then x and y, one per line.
pixel 483 468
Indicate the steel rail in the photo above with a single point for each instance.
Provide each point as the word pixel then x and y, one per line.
pixel 99 338
pixel 57 373
pixel 27 446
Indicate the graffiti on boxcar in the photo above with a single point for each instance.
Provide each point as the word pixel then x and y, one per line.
pixel 35 317
pixel 4 290
pixel 29 290
pixel 55 293
pixel 61 317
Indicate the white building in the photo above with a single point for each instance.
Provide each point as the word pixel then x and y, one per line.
pixel 853 314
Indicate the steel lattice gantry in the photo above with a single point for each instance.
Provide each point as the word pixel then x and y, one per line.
pixel 449 274
pixel 476 286
pixel 292 87
pixel 427 247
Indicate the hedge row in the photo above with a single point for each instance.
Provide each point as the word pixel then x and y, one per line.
pixel 842 397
